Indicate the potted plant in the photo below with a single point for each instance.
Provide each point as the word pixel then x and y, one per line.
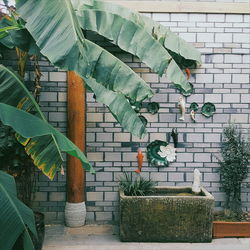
pixel 235 152
pixel 163 214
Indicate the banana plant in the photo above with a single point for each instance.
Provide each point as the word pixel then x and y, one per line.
pixel 16 218
pixel 55 29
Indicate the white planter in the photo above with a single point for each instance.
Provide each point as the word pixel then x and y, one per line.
pixel 75 214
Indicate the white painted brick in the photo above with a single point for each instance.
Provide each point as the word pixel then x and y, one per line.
pixel 57 116
pixel 197 17
pixel 157 136
pixel 189 37
pixel 246 58
pixel 204 78
pixel 213 177
pixel 58 76
pixel 241 38
pixel 179 17
pixel 111 196
pixel 212 137
pixel 48 96
pixel 127 156
pixel 239 118
pixel 109 117
pixel 104 176
pixel 158 176
pixel 234 18
pixel 122 137
pixel 94 196
pixel 224 38
pixel 94 117
pixel 62 96
pixel 194 137
pixel 205 37
pixel 202 157
pixel 245 98
pixel 103 216
pixel 196 98
pixel 104 137
pixel 240 78
pixel 184 157
pixel 214 98
pixel 233 58
pixel 176 176
pixel 112 156
pixel 167 117
pixel 161 17
pixel 222 78
pixel 150 77
pixel 217 58
pixel 95 156
pixel 216 17
pixel 231 98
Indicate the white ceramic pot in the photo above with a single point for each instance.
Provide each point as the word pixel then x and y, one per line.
pixel 75 214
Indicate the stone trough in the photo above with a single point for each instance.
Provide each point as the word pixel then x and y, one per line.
pixel 171 214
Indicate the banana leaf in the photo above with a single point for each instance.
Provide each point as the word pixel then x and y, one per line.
pixel 55 28
pixel 15 217
pixel 30 126
pixel 45 150
pixel 119 107
pixel 116 22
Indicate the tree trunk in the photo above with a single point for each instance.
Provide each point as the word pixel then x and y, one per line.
pixel 76 133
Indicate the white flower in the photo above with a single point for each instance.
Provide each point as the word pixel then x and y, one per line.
pixel 167 152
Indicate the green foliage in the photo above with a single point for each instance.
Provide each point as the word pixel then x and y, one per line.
pixel 235 151
pixel 16 218
pixel 136 187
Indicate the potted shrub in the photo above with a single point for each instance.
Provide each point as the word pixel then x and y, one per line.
pixel 235 152
pixel 163 214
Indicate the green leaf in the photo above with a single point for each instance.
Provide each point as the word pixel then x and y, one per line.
pixel 15 217
pixel 44 150
pixel 30 126
pixel 119 107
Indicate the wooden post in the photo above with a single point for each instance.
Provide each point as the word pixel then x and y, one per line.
pixel 76 133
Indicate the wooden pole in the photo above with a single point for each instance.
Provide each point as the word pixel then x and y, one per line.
pixel 76 133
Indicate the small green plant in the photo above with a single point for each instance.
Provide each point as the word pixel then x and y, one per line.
pixel 235 151
pixel 138 186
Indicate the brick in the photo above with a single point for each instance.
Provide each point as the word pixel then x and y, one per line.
pixel 213 177
pixel 103 216
pixel 221 118
pixel 239 118
pixel 167 117
pixel 161 17
pixel 157 136
pixel 184 157
pixel 223 38
pixel 94 117
pixel 204 78
pixel 62 96
pixel 48 96
pixel 122 137
pixel 179 17
pixel 111 196
pixel 234 18
pixel 197 17
pixel 241 38
pixel 97 156
pixel 58 76
pixel 94 196
pixel 57 116
pixel 212 137
pixel 189 37
pixel 214 98
pixel 175 176
pixel 113 156
pixel 57 196
pixel 217 58
pixel 216 17
pixel 245 98
pixel 202 157
pixel 222 78
pixel 159 176
pixel 233 59
pixel 129 156
pixel 108 117
pixel 40 196
pixel 205 37
pixel 104 176
pixel 194 137
pixel 104 137
pixel 241 78
pixel 150 77
pixel 231 98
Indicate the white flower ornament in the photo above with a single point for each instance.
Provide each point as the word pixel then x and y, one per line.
pixel 167 152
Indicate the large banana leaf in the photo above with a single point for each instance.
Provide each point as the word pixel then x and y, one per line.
pixel 45 150
pixel 119 107
pixel 106 19
pixel 15 217
pixel 54 26
pixel 30 126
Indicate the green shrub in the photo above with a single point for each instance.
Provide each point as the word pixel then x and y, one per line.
pixel 235 151
pixel 136 187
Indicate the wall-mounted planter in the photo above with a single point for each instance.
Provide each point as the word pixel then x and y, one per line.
pixel 171 214
pixel 223 229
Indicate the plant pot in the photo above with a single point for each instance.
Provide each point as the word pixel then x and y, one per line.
pixel 40 228
pixel 223 229
pixel 171 214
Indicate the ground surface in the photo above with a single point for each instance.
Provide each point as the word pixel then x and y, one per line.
pixel 105 237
